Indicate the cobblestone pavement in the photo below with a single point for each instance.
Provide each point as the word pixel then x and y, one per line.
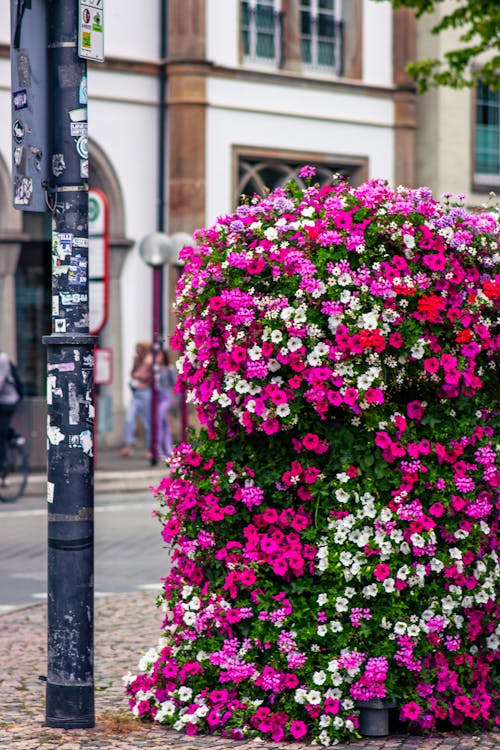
pixel 126 625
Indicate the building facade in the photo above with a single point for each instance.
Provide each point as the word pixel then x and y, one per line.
pixel 253 89
pixel 458 143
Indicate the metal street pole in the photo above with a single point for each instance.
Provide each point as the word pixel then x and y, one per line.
pixel 70 354
pixel 157 347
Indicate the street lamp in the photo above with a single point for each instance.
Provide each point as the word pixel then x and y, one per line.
pixel 158 249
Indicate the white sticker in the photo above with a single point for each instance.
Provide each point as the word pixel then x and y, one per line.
pixel 86 440
pixel 55 304
pixel 79 129
pixel 60 325
pixel 80 242
pixel 51 384
pixel 50 492
pixel 54 434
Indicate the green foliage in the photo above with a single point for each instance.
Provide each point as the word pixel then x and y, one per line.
pixel 478 24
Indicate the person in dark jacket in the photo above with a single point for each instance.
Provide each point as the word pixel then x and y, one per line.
pixel 9 398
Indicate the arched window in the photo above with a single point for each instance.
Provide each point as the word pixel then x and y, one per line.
pixel 257 173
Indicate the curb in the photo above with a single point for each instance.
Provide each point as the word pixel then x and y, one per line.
pixel 105 481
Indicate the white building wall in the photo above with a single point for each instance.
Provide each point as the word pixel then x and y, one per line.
pixel 222 19
pixel 258 115
pixel 125 128
pixel 445 145
pixel 377 43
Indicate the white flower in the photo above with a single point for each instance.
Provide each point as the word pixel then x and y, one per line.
pixel 417 540
pixel 325 720
pixel 388 585
pixel 322 599
pixel 195 603
pixel 493 642
pixel 282 410
pixel 273 365
pixel 436 565
pixel 324 738
pixel 319 677
pixel 184 694
pixel 321 630
pixel 341 604
pixel 370 591
pixel 314 697
pixel 271 233
pixel 300 696
pixel 338 722
pixel 189 618
pixel 148 659
pixel 294 343
pixel 400 628
pixel 186 591
pixel 276 336
pixel 336 627
pixel 341 495
pixel 368 321
pixel 166 710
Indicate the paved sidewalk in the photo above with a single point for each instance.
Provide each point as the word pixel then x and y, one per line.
pixel 126 625
pixel 112 473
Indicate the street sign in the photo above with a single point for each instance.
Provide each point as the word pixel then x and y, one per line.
pixel 91 29
pixel 29 105
pixel 98 261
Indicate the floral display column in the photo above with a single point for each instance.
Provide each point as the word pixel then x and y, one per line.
pixel 333 527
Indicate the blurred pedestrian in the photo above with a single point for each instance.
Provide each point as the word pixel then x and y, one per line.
pixel 11 392
pixel 141 384
pixel 166 381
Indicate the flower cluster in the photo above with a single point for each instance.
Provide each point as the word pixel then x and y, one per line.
pixel 334 300
pixel 333 528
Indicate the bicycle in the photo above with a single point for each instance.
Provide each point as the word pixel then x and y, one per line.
pixel 14 475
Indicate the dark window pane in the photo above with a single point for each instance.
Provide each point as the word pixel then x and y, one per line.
pixel 265 45
pixel 326 54
pixel 305 23
pixel 33 314
pixel 306 50
pixel 326 26
pixel 245 14
pixel 265 17
pixel 487 146
pixel 327 5
pixel 246 42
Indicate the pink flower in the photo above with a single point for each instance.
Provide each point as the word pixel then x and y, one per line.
pixel 381 572
pixel 298 729
pixel 410 711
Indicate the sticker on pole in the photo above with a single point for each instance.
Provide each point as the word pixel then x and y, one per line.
pixel 91 29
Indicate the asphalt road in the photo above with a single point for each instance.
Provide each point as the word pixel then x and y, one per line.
pixel 130 554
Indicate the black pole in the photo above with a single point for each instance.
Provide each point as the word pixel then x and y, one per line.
pixel 70 354
pixel 157 286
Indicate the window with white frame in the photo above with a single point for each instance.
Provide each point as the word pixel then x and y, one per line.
pixel 261 31
pixel 321 34
pixel 487 146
